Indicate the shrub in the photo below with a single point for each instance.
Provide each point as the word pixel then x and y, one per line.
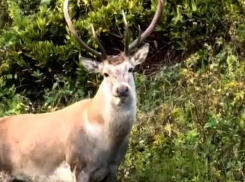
pixel 190 123
pixel 38 53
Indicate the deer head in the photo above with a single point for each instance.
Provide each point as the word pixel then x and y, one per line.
pixel 117 70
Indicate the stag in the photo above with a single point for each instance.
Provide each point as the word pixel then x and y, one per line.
pixel 89 138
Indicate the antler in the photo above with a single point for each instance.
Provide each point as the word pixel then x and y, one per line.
pixel 146 33
pixel 101 54
pixel 126 35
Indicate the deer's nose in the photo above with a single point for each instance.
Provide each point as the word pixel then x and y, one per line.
pixel 122 91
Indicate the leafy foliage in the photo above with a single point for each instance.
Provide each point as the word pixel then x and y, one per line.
pixel 36 47
pixel 190 124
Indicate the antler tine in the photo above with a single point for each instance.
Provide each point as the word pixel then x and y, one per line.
pixel 103 56
pixel 151 27
pixel 139 37
pixel 126 34
pixel 74 32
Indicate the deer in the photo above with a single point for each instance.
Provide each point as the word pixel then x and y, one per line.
pixel 88 138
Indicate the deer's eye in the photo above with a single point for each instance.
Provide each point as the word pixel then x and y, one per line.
pixel 106 74
pixel 130 70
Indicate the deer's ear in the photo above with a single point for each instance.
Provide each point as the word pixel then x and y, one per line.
pixel 140 56
pixel 91 65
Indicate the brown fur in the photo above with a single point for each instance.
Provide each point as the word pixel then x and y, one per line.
pixel 116 60
pixel 24 137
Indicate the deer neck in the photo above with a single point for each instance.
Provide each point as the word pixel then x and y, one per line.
pixel 117 119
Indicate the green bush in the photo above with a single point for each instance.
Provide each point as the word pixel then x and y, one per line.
pixel 37 49
pixel 190 124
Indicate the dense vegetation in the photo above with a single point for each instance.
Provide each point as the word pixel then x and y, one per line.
pixel 191 116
